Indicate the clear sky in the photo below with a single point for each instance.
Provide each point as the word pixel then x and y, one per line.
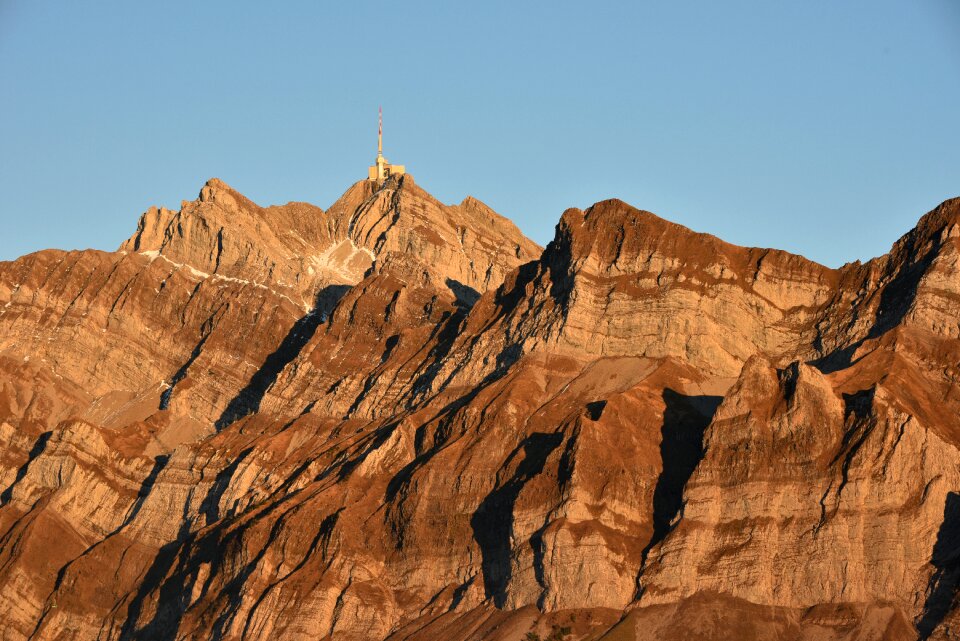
pixel 822 127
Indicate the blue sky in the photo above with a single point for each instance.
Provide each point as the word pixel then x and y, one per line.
pixel 821 127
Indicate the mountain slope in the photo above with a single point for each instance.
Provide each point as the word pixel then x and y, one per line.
pixel 399 419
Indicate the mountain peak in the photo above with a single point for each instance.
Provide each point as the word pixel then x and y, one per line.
pixel 215 190
pixel 934 228
pixel 469 243
pixel 298 246
pixel 391 420
pixel 216 183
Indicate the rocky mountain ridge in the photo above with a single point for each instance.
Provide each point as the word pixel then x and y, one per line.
pixel 397 419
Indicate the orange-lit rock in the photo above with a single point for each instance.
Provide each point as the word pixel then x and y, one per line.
pixel 396 419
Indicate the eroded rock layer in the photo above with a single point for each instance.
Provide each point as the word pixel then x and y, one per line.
pixel 396 419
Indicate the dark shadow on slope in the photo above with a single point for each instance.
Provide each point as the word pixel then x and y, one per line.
pixel 492 523
pixel 182 373
pixel 159 462
pixel 206 328
pixel 895 301
pixel 564 474
pixel 234 590
pixel 857 409
pixel 899 294
pixel 448 329
pixel 347 465
pixel 595 409
pixel 38 447
pixel 838 359
pixel 320 544
pixel 506 299
pixel 558 258
pixel 466 296
pixel 388 346
pixel 942 589
pixel 247 401
pixel 459 593
pixel 169 581
pixel 505 360
pixel 170 575
pixel 306 410
pixel 685 418
pixel 146 486
pixel 162 563
pixel 788 377
pixel 210 506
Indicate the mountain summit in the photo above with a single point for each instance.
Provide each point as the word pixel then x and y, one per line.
pixel 399 419
pixel 299 246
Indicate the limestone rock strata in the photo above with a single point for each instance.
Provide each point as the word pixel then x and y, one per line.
pixel 396 419
pixel 301 247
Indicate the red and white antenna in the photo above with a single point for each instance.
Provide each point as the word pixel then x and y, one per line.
pixel 380 134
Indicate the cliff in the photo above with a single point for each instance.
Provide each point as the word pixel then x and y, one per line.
pixel 397 419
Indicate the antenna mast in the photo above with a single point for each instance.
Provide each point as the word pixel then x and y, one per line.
pixel 381 169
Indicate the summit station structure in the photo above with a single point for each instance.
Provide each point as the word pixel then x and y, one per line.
pixel 382 169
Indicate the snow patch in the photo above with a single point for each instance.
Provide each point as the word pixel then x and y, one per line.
pixel 197 272
pixel 204 276
pixel 337 258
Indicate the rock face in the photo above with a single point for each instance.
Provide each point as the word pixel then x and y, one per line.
pixel 396 419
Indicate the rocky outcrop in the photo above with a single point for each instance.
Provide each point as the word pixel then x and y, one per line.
pixel 856 482
pixel 300 247
pixel 396 419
